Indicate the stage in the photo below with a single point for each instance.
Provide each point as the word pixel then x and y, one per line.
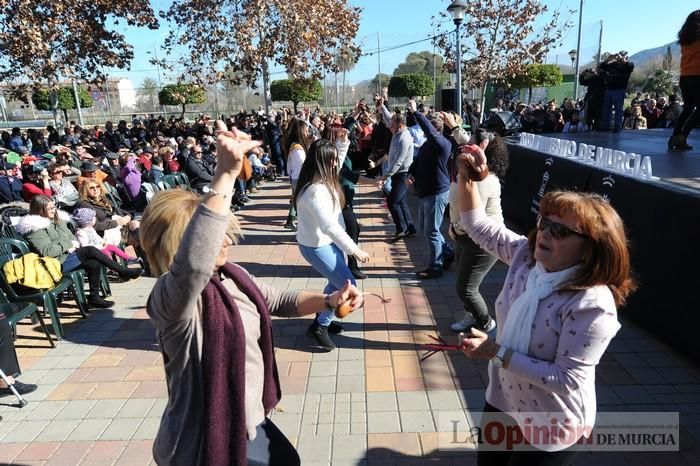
pixel 662 218
pixel 682 168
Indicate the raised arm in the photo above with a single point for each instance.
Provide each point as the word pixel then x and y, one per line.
pixel 429 130
pixel 176 292
pixel 492 236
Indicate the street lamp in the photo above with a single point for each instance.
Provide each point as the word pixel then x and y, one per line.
pixel 573 54
pixel 457 9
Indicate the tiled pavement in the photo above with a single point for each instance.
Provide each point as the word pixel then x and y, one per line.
pixel 369 403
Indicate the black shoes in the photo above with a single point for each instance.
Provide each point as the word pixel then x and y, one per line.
pixel 429 273
pixel 130 274
pixel 22 388
pixel 358 274
pixel 100 303
pixel 410 231
pixel 320 333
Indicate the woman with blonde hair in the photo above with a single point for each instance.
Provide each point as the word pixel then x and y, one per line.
pixel 213 324
pixel 556 314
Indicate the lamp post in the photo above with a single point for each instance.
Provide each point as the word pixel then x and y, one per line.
pixel 457 9
pixel 573 54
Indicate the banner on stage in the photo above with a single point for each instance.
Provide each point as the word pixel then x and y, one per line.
pixel 617 161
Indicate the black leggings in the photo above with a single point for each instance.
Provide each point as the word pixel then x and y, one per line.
pixel 520 458
pixel 8 355
pixel 92 260
pixel 688 119
pixel 271 448
pixel 352 228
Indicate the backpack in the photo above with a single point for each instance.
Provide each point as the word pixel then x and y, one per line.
pixel 33 271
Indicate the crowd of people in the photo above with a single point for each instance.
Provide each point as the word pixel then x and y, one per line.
pixel 89 206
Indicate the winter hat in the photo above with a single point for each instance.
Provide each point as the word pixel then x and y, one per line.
pixel 83 216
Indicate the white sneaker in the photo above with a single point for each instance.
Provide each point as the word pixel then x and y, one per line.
pixel 463 324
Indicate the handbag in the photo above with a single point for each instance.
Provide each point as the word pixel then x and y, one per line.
pixel 246 170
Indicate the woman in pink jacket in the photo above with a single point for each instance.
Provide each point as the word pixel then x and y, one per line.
pixel 556 315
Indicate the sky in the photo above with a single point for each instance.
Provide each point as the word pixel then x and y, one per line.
pixel 396 22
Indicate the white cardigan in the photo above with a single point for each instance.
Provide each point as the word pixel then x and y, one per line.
pixel 320 220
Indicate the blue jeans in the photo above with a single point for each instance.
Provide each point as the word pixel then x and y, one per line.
pixel 398 204
pixel 72 262
pixel 613 98
pixel 329 261
pixel 431 212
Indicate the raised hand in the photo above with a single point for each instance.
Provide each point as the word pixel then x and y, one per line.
pixel 231 148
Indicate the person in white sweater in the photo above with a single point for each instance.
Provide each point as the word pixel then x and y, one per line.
pixel 321 234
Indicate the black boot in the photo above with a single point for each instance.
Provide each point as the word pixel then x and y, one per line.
pixel 355 269
pixel 97 302
pixel 320 333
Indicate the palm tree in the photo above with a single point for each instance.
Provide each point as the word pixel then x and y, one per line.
pixel 346 62
pixel 148 91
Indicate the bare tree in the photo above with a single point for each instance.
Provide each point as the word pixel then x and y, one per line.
pixel 48 40
pixel 235 39
pixel 499 39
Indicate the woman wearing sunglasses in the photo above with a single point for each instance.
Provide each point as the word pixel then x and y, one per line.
pixel 556 315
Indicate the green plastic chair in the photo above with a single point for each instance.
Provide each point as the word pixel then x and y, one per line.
pixel 170 181
pixel 14 312
pixel 11 249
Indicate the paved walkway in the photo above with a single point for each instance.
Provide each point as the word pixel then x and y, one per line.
pixel 369 403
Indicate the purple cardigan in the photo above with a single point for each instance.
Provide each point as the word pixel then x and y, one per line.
pixel 570 333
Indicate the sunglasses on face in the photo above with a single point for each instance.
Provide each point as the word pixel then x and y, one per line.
pixel 556 229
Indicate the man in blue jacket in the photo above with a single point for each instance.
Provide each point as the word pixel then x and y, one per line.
pixel 430 175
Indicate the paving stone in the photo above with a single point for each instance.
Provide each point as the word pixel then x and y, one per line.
pixel 349 447
pixel 45 410
pixel 135 408
pixel 121 429
pixel 89 429
pixel 314 448
pixel 383 422
pixel 57 430
pixel 148 429
pixel 325 384
pixel 417 421
pixel 25 431
pixel 76 409
pixel 105 409
pixel 354 367
pixel 413 401
pixel 350 383
pixel 381 402
pixel 444 400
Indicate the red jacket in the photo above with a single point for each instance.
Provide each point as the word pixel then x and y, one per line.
pixel 30 189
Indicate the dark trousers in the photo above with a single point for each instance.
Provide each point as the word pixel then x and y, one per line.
pixel 473 263
pixel 271 448
pixel 352 228
pixel 520 458
pixel 8 355
pixel 688 119
pixel 92 260
pixel 398 204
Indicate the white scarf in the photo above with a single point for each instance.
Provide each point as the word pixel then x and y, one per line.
pixel 518 326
